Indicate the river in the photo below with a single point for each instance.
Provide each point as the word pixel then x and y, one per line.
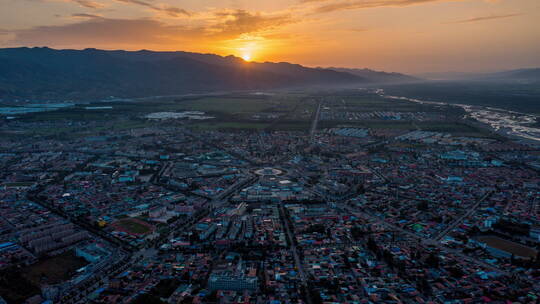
pixel 505 122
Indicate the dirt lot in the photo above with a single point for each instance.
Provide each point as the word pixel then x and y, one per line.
pixel 508 246
pixel 55 269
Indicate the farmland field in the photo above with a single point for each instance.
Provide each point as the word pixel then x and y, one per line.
pixel 230 125
pixel 225 105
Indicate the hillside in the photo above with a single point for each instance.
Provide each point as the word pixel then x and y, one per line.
pixel 43 73
pixel 520 75
pixel 378 76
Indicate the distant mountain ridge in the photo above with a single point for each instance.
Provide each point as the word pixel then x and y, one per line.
pixel 527 75
pixel 45 73
pixel 378 76
pixel 530 75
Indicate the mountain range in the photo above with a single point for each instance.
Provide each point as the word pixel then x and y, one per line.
pixel 531 75
pixel 45 73
pixel 520 75
pixel 378 76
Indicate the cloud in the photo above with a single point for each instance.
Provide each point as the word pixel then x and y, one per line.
pixel 95 30
pixel 237 22
pixel 88 3
pixel 484 18
pixel 84 15
pixel 84 3
pixel 103 31
pixel 172 11
pixel 328 6
pixel 175 11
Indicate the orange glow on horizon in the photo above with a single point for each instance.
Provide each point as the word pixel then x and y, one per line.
pixel 410 36
pixel 247 47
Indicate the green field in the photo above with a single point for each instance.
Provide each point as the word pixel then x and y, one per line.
pixel 369 102
pixel 376 103
pixel 456 129
pixel 230 125
pixel 399 125
pixel 18 184
pixel 231 112
pixel 248 125
pixel 133 226
pixel 291 126
pixel 517 96
pixel 235 112
pixel 225 105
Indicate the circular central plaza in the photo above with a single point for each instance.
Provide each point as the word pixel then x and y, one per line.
pixel 269 171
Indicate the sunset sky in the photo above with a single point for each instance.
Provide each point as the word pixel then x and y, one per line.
pixel 411 36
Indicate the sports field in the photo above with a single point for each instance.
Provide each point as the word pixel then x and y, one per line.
pixel 133 226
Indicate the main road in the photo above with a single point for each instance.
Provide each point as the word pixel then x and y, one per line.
pixel 461 218
pixel 428 241
pixel 297 260
pixel 315 121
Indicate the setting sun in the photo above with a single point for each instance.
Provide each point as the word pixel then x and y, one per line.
pixel 248 47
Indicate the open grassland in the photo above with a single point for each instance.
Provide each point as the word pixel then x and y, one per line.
pixel 230 125
pixel 399 125
pixel 295 112
pixel 521 97
pixel 66 132
pixel 456 128
pixel 225 105
pixel 291 126
pixel 372 102
pixel 248 125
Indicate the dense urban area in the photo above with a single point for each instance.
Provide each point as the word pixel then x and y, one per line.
pixel 286 197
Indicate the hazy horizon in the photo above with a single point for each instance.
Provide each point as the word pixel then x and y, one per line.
pixel 408 36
